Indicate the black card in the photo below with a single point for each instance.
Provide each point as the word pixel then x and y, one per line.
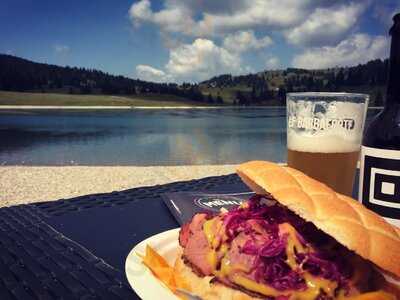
pixel 183 205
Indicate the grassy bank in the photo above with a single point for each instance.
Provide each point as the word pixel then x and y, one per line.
pixel 17 98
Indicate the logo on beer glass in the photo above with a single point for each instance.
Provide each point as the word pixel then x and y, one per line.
pixel 381 191
pixel 320 123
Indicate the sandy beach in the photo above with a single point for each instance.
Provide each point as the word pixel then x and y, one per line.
pixel 122 107
pixel 27 184
pixel 103 107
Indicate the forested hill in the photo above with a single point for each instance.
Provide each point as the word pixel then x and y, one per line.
pixel 18 74
pixel 254 88
pixel 263 88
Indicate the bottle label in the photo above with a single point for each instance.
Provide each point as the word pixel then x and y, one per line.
pixel 379 188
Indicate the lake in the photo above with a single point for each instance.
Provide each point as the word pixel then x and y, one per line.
pixel 143 137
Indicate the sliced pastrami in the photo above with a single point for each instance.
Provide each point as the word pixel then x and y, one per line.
pixel 184 235
pixel 196 246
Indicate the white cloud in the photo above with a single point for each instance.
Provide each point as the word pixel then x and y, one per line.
pixel 149 73
pixel 245 40
pixel 213 6
pixel 267 13
pixel 194 62
pixel 358 48
pixel 178 15
pixel 221 31
pixel 141 11
pixel 326 26
pixel 61 49
pixel 173 18
pixel 272 63
pixel 201 60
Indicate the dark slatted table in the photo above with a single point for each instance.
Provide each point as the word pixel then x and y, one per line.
pixel 76 248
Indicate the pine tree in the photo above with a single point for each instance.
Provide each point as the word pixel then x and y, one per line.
pixel 241 99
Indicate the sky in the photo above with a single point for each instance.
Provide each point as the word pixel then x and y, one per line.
pixel 193 40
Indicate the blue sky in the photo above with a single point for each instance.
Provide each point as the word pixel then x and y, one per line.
pixel 192 40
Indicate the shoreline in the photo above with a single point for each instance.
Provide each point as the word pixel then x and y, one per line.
pixel 103 107
pixel 28 184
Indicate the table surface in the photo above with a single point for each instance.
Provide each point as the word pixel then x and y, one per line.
pixel 76 248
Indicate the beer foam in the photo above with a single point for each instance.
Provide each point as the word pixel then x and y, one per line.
pixel 321 144
pixel 325 127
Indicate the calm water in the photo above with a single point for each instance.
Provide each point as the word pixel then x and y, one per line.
pixel 142 137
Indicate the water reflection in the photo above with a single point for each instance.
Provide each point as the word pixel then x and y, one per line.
pixel 15 138
pixel 142 137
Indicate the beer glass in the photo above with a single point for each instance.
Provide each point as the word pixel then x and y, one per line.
pixel 324 132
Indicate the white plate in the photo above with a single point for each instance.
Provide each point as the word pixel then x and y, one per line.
pixel 140 277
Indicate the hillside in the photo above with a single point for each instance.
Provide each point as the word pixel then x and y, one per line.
pixel 50 99
pixel 272 86
pixel 263 88
pixel 21 75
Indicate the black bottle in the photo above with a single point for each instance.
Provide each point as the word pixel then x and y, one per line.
pixel 380 152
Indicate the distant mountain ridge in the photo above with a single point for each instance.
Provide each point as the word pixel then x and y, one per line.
pixel 262 88
pixel 364 78
pixel 19 74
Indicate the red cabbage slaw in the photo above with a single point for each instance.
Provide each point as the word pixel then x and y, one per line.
pixel 270 266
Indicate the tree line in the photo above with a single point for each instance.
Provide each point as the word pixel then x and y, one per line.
pixel 18 74
pixel 268 87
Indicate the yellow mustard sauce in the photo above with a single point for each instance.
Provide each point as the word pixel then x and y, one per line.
pixel 208 230
pixel 225 269
pixel 236 272
pixel 223 249
pixel 218 236
pixel 228 269
pixel 257 287
pixel 244 205
pixel 314 286
pixel 210 235
pixel 211 230
pixel 212 259
pixel 292 242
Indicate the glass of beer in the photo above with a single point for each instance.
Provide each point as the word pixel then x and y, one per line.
pixel 324 132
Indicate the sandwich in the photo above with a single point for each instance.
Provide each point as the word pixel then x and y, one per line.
pixel 294 239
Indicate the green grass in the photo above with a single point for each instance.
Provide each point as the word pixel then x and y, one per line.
pixel 38 99
pixel 276 82
pixel 149 100
pixel 227 93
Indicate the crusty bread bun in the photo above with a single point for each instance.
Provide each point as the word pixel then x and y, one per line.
pixel 341 217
